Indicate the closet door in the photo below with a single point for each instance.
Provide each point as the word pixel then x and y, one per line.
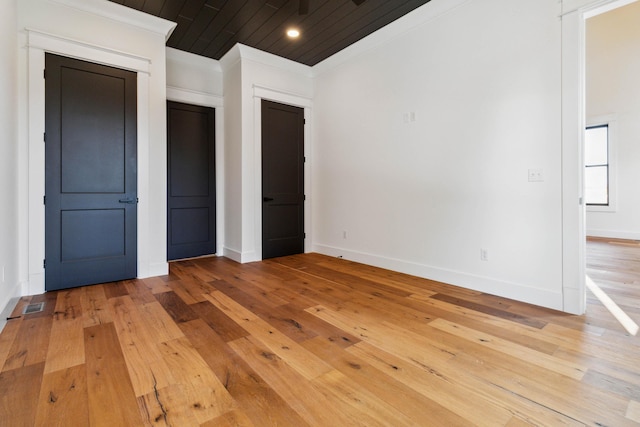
pixel 191 186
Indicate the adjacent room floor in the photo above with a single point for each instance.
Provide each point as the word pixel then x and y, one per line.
pixel 319 341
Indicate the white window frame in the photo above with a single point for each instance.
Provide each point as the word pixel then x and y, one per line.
pixel 611 122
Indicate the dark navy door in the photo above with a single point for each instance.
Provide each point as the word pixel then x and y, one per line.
pixel 90 170
pixel 282 179
pixel 191 186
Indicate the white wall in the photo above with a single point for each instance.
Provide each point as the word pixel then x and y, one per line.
pixel 426 196
pixel 613 92
pixel 9 285
pixel 108 33
pixel 232 157
pixel 194 74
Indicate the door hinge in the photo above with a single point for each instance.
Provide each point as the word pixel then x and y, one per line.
pixel 44 200
pixel 44 74
pixel 44 137
pixel 304 197
pixel 44 263
pixel 304 235
pixel 304 159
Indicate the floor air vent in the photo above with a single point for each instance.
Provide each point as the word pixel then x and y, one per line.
pixel 33 308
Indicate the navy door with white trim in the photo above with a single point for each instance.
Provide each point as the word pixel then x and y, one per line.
pixel 282 179
pixel 191 181
pixel 90 172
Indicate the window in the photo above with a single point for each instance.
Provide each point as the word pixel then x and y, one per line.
pixel 596 156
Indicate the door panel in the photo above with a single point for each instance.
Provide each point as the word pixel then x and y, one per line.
pixel 198 229
pixel 191 201
pixel 282 180
pixel 82 240
pixel 93 132
pixel 90 170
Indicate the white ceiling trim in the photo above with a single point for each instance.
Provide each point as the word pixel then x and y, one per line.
pixel 122 14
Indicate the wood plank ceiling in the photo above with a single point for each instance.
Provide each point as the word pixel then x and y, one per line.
pixel 211 27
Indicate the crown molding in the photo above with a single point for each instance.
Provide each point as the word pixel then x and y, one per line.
pixel 123 14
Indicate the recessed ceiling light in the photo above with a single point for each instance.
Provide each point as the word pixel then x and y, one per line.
pixel 293 33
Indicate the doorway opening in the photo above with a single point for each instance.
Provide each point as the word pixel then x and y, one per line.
pixel 610 40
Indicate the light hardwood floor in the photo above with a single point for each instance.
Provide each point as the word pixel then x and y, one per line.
pixel 310 340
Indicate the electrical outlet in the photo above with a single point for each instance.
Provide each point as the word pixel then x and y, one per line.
pixel 536 175
pixel 484 255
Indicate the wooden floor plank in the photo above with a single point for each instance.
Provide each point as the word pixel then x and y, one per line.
pixel 311 340
pixel 314 408
pixel 64 399
pixel 138 292
pixel 362 400
pixel 226 328
pixel 575 401
pixel 115 290
pixel 176 307
pixel 204 393
pixel 233 418
pixel 260 403
pixel 516 332
pixel 187 292
pixel 19 391
pixel 159 325
pixel 156 285
pixel 559 366
pixel 31 343
pixel 94 306
pixel 404 343
pixel 66 346
pixel 417 408
pixel 112 400
pixel 145 364
pixel 301 360
pixel 617 386
pixel 166 407
pixel 490 310
pixel 7 338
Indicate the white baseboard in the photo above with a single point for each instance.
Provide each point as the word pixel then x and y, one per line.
pixel 8 303
pixel 232 254
pixel 613 234
pixel 157 269
pixel 511 290
pixel 241 257
pixel 572 297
